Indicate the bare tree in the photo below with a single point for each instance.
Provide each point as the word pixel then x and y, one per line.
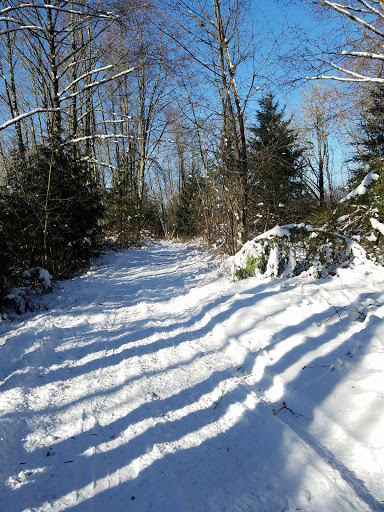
pixel 318 122
pixel 215 43
pixel 45 47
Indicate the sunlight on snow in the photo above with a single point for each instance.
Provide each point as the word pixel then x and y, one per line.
pixel 159 451
pixel 131 379
pixel 205 402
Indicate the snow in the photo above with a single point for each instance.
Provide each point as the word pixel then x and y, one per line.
pixel 153 382
pixel 96 83
pixel 276 231
pixel 377 225
pixel 27 114
pixel 362 188
pixel 273 264
pixel 44 276
pixel 88 73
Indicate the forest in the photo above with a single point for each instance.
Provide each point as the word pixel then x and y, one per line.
pixel 124 119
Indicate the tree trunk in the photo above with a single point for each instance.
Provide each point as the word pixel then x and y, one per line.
pixel 56 116
pixel 13 96
pixel 237 121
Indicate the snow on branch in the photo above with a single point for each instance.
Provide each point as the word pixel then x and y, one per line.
pixel 377 225
pixel 362 188
pixel 24 27
pixel 99 82
pixel 371 8
pixel 345 79
pixel 340 9
pixel 348 71
pixel 365 55
pixel 27 114
pixel 357 77
pixel 92 72
pixel 368 10
pixel 37 6
pixel 367 19
pixel 97 162
pixel 99 136
pixel 97 14
pixel 110 136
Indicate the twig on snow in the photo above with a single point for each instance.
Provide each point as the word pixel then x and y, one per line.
pixel 221 397
pixel 284 406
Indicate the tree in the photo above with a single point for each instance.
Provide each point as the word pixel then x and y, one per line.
pixel 317 125
pixel 188 216
pixel 370 144
pixel 59 47
pixel 276 166
pixel 52 229
pixel 217 49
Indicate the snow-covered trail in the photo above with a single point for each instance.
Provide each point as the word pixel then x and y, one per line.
pixel 154 384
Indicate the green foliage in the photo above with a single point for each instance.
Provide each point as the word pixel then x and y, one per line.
pixel 188 215
pixel 318 252
pixel 127 213
pixel 49 213
pixel 252 264
pixel 321 218
pixel 370 146
pixel 122 221
pixel 247 271
pixel 275 162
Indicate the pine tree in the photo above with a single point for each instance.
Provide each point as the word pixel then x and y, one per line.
pixel 275 166
pixel 49 214
pixel 122 223
pixel 370 145
pixel 188 218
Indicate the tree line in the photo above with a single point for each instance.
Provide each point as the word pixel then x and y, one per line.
pixel 124 118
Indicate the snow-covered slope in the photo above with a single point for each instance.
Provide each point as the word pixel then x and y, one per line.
pixel 152 383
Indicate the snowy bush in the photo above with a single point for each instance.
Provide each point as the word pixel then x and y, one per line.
pixel 345 236
pixel 38 278
pixel 286 251
pixel 22 298
pixel 360 217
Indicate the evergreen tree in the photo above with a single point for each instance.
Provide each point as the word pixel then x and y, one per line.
pixel 370 145
pixel 275 166
pixel 122 223
pixel 188 217
pixel 126 216
pixel 49 214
